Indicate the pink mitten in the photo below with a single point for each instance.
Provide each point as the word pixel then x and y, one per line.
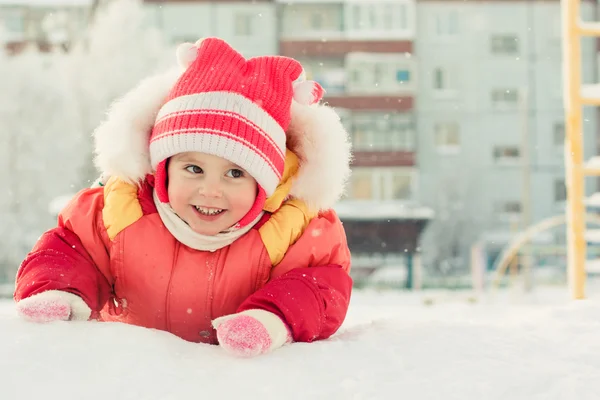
pixel 53 305
pixel 251 332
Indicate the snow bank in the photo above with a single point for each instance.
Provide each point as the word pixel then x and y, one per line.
pixel 392 346
pixel 366 209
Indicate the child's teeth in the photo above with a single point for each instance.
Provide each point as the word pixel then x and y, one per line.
pixel 207 211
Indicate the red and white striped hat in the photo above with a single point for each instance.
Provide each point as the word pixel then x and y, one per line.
pixel 230 107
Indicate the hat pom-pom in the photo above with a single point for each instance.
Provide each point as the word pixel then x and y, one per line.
pixel 186 54
pixel 308 92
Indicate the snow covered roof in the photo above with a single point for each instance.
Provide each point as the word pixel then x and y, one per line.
pixel 593 200
pixel 592 266
pixel 593 164
pixel 381 210
pixel 46 3
pixel 592 235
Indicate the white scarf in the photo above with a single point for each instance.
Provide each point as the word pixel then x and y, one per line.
pixel 187 236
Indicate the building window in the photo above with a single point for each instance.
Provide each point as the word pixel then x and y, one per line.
pixel 559 133
pixel 379 74
pixel 316 21
pixel 446 24
pixel 357 18
pixel 311 21
pixel 447 137
pixel 323 18
pixel 12 21
pixel 402 75
pixel 381 184
pixel 331 77
pixel 507 153
pixel 504 44
pixel 444 80
pixel 362 184
pixel 388 17
pixel 243 24
pixel 382 132
pixel 505 97
pixel 508 208
pixel 356 75
pixel 372 11
pixel 401 185
pixel 402 10
pixel 439 81
pixel 560 190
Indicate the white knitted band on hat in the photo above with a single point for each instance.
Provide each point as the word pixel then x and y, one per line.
pixel 224 124
pixel 217 144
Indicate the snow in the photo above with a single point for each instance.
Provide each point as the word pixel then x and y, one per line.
pixel 590 28
pixel 365 209
pixel 592 266
pixel 592 235
pixel 415 345
pixel 593 200
pixel 594 162
pixel 590 93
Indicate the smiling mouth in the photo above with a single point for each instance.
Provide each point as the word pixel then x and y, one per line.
pixel 209 211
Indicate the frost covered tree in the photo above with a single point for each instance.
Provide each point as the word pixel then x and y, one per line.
pixel 118 50
pixel 448 238
pixel 49 106
pixel 38 146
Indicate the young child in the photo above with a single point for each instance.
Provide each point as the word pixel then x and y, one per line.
pixel 213 220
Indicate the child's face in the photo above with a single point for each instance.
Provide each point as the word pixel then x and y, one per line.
pixel 208 192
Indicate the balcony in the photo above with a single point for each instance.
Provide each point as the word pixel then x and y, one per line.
pixel 339 48
pixel 371 102
pixel 384 159
pixel 343 21
pixel 363 81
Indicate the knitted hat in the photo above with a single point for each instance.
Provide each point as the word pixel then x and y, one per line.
pixel 230 107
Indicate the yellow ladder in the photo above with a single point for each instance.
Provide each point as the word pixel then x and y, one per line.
pixel 575 97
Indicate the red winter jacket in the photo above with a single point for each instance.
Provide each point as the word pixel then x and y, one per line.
pixel 144 276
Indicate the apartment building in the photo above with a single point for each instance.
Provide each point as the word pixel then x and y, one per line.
pixel 42 24
pixel 250 26
pixel 362 53
pixel 491 120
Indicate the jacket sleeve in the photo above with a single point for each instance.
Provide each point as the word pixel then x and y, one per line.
pixel 72 257
pixel 310 288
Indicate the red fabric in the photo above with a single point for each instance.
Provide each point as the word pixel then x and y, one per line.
pixel 145 196
pixel 256 209
pixel 312 301
pixel 244 336
pixel 156 281
pixel 45 311
pixel 209 122
pixel 266 81
pixel 60 262
pixel 161 181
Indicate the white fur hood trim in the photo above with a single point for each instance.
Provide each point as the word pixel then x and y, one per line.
pixel 122 140
pixel 316 135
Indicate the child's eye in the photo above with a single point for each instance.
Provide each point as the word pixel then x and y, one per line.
pixel 235 173
pixel 194 169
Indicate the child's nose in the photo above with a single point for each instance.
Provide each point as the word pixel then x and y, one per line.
pixel 211 188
